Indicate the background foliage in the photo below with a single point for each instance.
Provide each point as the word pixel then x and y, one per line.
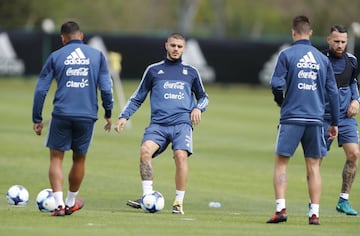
pixel 206 18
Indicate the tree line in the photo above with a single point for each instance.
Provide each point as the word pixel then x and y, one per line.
pixel 201 18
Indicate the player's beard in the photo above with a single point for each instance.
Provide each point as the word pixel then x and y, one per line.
pixel 172 57
pixel 338 53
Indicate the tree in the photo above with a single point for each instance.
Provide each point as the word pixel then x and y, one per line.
pixel 203 18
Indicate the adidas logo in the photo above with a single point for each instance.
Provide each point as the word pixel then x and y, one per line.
pixel 161 72
pixel 308 61
pixel 9 63
pixel 77 57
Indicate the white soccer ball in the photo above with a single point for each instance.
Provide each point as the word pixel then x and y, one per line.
pixel 17 195
pixel 45 200
pixel 152 202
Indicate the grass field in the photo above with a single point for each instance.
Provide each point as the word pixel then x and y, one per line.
pixel 232 164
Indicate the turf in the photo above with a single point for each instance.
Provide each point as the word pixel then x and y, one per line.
pixel 232 164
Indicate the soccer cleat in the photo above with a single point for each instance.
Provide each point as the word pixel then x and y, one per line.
pixel 314 220
pixel 343 206
pixel 177 208
pixel 77 206
pixel 278 217
pixel 134 203
pixel 59 211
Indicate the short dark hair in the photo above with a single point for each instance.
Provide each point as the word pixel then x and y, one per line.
pixel 338 28
pixel 69 27
pixel 177 36
pixel 301 25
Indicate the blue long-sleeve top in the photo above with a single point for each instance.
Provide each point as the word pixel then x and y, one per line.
pixel 175 90
pixel 79 70
pixel 306 76
pixel 349 91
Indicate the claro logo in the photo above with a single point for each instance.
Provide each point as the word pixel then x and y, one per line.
pixel 178 96
pixel 73 84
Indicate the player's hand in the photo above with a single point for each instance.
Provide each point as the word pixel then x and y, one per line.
pixel 353 108
pixel 120 125
pixel 195 116
pixel 37 127
pixel 108 124
pixel 278 96
pixel 333 132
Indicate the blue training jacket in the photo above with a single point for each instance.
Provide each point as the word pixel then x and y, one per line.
pixel 349 91
pixel 173 87
pixel 79 70
pixel 306 76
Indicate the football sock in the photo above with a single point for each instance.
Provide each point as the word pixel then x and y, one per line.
pixel 314 209
pixel 70 199
pixel 147 186
pixel 58 196
pixel 179 196
pixel 280 204
pixel 344 196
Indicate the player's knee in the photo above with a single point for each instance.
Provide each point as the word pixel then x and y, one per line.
pixel 180 157
pixel 146 152
pixel 353 155
pixel 180 154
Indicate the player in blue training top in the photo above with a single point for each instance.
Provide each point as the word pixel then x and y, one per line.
pixel 79 71
pixel 345 68
pixel 306 77
pixel 177 99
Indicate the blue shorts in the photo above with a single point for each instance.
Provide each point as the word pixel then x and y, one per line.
pixel 348 132
pixel 311 138
pixel 70 134
pixel 179 135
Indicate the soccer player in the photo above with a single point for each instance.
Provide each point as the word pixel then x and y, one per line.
pixel 345 68
pixel 306 76
pixel 79 72
pixel 177 99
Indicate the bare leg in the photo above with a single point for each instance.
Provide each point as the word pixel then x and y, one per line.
pixel 56 175
pixel 350 167
pixel 181 162
pixel 148 148
pixel 77 172
pixel 280 183
pixel 280 177
pixel 348 176
pixel 314 179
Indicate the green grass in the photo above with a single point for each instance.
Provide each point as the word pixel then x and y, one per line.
pixel 232 164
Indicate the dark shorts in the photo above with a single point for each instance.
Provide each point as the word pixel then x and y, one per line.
pixel 311 138
pixel 179 135
pixel 348 132
pixel 70 134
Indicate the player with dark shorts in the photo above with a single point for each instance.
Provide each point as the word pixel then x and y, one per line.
pixel 179 135
pixel 70 134
pixel 345 67
pixel 80 71
pixel 305 76
pixel 177 99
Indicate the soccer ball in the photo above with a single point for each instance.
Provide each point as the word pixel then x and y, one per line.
pixel 17 195
pixel 45 200
pixel 152 202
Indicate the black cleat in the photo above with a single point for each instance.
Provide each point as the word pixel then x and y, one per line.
pixel 134 203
